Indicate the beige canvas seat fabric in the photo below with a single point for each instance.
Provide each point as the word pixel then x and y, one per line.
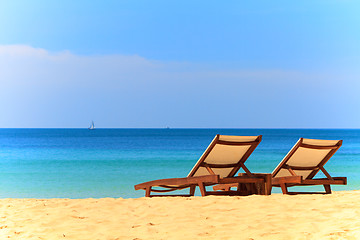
pixel 305 156
pixel 223 154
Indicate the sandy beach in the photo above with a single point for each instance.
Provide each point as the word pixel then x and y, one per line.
pixel 335 216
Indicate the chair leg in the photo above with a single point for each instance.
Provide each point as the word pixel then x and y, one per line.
pixel 202 189
pixel 238 187
pixel 192 190
pixel 147 192
pixel 241 188
pixel 258 188
pixel 267 185
pixel 327 189
pixel 248 188
pixel 283 188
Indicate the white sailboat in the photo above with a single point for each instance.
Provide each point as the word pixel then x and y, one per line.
pixel 92 126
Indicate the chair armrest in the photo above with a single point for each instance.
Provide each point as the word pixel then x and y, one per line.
pixel 287 179
pixel 179 181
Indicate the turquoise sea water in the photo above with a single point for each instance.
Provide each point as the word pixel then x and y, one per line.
pixel 80 163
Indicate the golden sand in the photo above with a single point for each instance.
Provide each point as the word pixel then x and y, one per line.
pixel 335 216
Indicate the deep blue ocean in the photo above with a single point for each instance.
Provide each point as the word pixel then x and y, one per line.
pixel 82 163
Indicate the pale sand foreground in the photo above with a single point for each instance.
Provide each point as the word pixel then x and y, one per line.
pixel 335 216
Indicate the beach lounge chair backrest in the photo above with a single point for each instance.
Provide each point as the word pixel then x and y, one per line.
pixel 225 156
pixel 307 157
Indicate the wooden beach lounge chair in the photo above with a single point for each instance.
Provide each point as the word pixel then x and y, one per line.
pixel 303 162
pixel 218 165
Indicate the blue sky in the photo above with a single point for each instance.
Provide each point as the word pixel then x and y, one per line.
pixel 232 64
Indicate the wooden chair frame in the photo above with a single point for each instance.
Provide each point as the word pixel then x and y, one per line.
pixel 296 180
pixel 191 181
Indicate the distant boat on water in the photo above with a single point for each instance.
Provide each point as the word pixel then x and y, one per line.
pixel 92 126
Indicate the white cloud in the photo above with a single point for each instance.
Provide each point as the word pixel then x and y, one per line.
pixel 44 89
pixel 21 51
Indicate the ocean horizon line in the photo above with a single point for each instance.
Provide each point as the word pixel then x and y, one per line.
pixel 183 128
